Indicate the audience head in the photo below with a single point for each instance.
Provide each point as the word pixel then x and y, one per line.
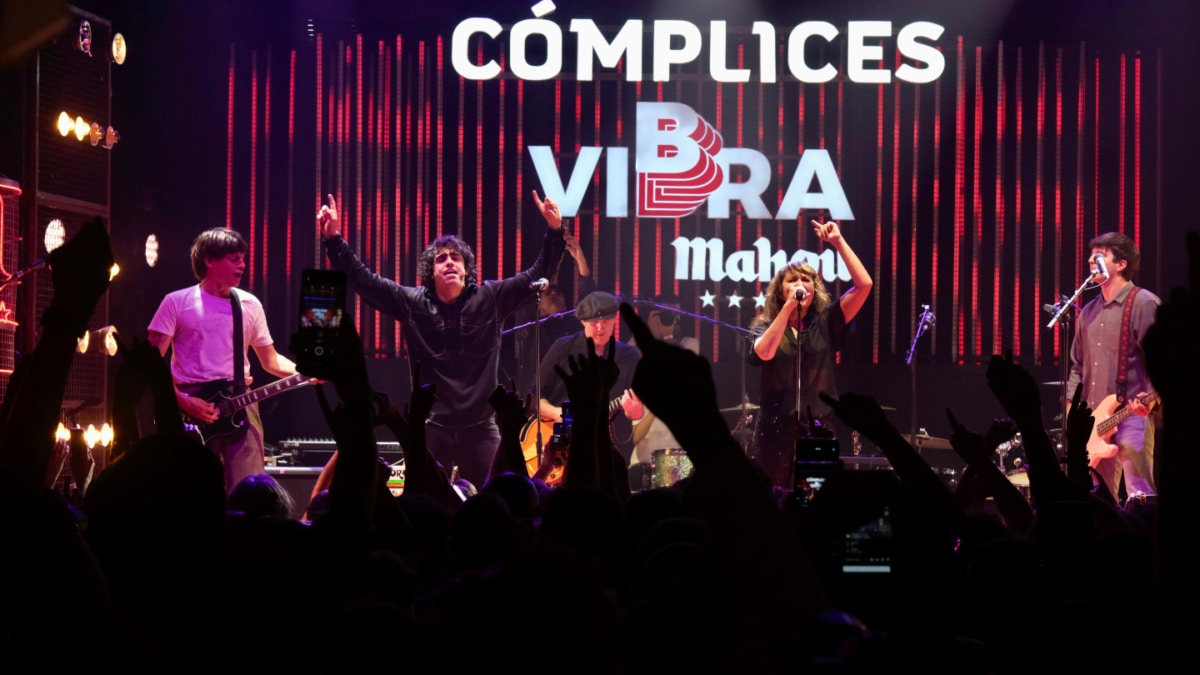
pixel 260 495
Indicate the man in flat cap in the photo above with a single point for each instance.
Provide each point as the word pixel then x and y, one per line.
pixel 598 314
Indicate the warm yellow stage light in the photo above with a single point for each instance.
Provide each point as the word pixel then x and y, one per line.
pixel 118 49
pixel 81 129
pixel 65 125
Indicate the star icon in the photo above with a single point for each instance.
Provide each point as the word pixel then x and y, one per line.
pixel 760 300
pixel 735 300
pixel 707 299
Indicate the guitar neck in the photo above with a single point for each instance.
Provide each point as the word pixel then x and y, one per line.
pixel 278 387
pixel 1122 415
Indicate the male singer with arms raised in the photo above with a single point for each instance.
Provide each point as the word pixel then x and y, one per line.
pixel 196 324
pixel 1119 316
pixel 452 327
pixel 800 313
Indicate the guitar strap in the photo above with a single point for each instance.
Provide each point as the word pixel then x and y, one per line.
pixel 1123 352
pixel 239 351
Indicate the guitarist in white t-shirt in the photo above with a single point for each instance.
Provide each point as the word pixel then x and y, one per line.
pixel 196 325
pixel 1096 364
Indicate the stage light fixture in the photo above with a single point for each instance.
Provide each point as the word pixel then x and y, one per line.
pixel 111 136
pixel 152 250
pixel 65 125
pixel 81 343
pixel 110 339
pixel 62 434
pixel 91 436
pixel 95 134
pixel 56 235
pixel 118 49
pixel 81 129
pixel 114 271
pixel 106 435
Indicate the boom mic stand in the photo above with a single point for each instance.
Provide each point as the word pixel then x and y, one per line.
pixel 1059 312
pixel 924 322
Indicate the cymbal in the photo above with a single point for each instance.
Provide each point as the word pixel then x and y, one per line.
pixel 740 408
pixel 1053 384
pixel 887 408
pixel 929 442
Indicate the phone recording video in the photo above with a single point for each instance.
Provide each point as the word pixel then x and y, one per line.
pixel 867 549
pixel 322 310
pixel 816 459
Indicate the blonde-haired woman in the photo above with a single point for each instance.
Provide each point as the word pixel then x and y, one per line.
pixel 800 317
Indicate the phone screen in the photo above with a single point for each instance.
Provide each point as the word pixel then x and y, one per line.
pixel 868 549
pixel 322 309
pixel 816 458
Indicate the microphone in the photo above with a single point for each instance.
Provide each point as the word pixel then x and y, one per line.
pixel 928 317
pixel 37 264
pixel 539 285
pixel 801 294
pixel 1100 266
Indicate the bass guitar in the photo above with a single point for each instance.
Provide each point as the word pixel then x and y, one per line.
pixel 529 443
pixel 231 417
pixel 1109 413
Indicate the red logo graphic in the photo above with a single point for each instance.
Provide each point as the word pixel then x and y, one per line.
pixel 674 194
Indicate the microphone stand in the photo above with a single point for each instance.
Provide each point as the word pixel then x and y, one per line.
pixel 924 322
pixel 537 351
pixel 1060 314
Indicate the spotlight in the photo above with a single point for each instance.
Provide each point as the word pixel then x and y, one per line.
pixel 106 435
pixel 91 436
pixel 95 134
pixel 65 125
pixel 55 235
pixel 81 129
pixel 62 434
pixel 114 271
pixel 81 344
pixel 111 136
pixel 118 49
pixel 152 250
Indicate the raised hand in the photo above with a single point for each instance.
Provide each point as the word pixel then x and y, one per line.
pixel 862 413
pixel 969 445
pixel 829 232
pixel 81 269
pixel 327 218
pixel 511 412
pixel 1080 423
pixel 549 211
pixel 1016 389
pixel 677 384
pixel 590 378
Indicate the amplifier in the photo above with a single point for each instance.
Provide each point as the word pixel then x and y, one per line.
pixel 317 451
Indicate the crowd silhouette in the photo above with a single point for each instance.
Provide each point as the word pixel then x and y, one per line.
pixel 153 568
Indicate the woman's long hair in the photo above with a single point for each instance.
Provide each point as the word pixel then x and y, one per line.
pixel 775 297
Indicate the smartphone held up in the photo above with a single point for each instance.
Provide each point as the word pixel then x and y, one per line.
pixel 322 310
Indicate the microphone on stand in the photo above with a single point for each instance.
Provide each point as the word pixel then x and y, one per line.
pixel 539 285
pixel 37 264
pixel 928 318
pixel 801 294
pixel 1100 266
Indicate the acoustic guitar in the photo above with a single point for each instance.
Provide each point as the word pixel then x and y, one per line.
pixel 529 443
pixel 1109 413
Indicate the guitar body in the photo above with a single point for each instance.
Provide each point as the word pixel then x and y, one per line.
pixel 232 422
pixel 529 446
pixel 1109 413
pixel 1099 446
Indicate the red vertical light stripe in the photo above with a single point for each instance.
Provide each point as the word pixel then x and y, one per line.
pixel 1137 151
pixel 1039 215
pixel 229 95
pixel 253 191
pixel 1096 152
pixel 1019 133
pixel 596 124
pixel 518 156
pixel 500 177
pixel 420 139
pixel 915 181
pixel 318 98
pixel 1001 226
pixel 439 203
pixel 895 224
pixel 265 273
pixel 977 205
pixel 1121 161
pixel 880 95
pixel 935 245
pixel 291 163
pixel 960 121
pixel 1058 223
pixel 479 167
pixel 1080 131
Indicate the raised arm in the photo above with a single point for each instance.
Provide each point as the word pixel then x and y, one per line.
pixel 854 298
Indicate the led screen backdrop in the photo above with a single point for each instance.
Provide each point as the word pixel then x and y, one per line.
pixel 968 171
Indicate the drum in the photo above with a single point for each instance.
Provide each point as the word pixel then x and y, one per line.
pixel 668 467
pixel 1021 480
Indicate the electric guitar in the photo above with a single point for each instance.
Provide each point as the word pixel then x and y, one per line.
pixel 1113 413
pixel 231 419
pixel 529 443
